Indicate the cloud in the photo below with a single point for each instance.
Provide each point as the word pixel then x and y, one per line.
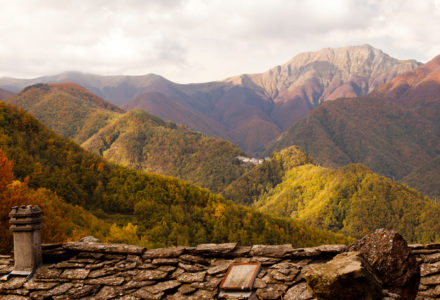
pixel 201 40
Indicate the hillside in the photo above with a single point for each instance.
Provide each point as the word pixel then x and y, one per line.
pixel 393 130
pixel 426 178
pixel 66 108
pixel 249 110
pixel 163 210
pixel 262 178
pixel 144 142
pixel 5 94
pixel 352 200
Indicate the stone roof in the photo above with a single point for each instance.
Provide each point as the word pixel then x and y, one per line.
pixel 90 270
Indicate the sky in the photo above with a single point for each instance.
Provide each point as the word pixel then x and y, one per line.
pixel 203 40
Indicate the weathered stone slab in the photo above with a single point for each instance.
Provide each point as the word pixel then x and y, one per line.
pixel 34 285
pixel 271 250
pixel 221 267
pixel 164 252
pixel 192 267
pixel 61 289
pixel 45 272
pixel 12 283
pixel 428 269
pixel 194 259
pixel 150 275
pixel 191 277
pixel 273 291
pixel 331 249
pixel 75 273
pixel 103 272
pixel 165 261
pixel 430 280
pixel 347 276
pixel 298 292
pixel 104 248
pixel 143 293
pixel 108 292
pixel 241 251
pixel 215 249
pixel 186 289
pixel 430 258
pixel 109 280
pixel 162 286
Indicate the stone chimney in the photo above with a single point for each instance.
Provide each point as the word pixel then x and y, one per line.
pixel 26 224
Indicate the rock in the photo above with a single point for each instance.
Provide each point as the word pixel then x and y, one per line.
pixel 273 291
pixel 75 273
pixel 391 258
pixel 150 275
pixel 192 277
pixel 82 290
pixel 110 280
pixel 221 267
pixel 347 276
pixel 165 261
pixel 186 289
pixel 431 280
pixel 202 295
pixel 89 239
pixel 104 248
pixel 428 269
pixel 162 286
pixel 331 249
pixel 45 272
pixel 164 252
pixel 108 292
pixel 298 292
pixel 194 259
pixel 34 285
pixel 61 289
pixel 12 283
pixel 191 267
pixel 271 250
pixel 430 258
pixel 215 249
pixel 143 293
pixel 241 251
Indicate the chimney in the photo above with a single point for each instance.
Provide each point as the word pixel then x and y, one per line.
pixel 26 224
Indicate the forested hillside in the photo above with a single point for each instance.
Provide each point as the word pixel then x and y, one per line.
pixel 145 142
pixel 352 200
pixel 66 108
pixel 155 210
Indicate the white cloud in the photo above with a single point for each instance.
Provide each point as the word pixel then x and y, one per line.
pixel 201 40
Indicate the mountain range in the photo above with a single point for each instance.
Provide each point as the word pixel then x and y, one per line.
pixel 394 130
pixel 249 110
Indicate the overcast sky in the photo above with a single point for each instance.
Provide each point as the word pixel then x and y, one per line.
pixel 201 40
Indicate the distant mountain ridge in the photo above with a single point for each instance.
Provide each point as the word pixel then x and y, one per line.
pixel 394 130
pixel 249 110
pixel 5 94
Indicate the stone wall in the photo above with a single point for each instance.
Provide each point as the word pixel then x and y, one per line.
pixel 87 270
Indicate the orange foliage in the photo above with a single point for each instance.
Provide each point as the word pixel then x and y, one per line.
pixel 16 193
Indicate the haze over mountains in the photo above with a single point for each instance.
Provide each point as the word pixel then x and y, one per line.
pixel 394 130
pixel 249 110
